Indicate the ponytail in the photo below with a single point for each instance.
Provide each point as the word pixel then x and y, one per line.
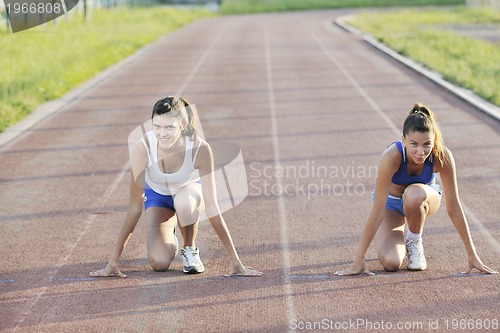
pixel 422 119
pixel 190 130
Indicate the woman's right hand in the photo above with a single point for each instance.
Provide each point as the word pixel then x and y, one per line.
pixel 357 267
pixel 108 271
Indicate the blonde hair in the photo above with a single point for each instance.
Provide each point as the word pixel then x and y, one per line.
pixel 422 119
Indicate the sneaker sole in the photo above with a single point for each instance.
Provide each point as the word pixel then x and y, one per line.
pixel 417 268
pixel 192 271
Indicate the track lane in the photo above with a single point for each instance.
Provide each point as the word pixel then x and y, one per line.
pixel 320 120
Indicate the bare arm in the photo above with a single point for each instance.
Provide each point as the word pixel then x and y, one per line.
pixel 388 165
pixel 456 213
pixel 133 214
pixel 205 165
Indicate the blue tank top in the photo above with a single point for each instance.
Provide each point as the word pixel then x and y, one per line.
pixel 401 177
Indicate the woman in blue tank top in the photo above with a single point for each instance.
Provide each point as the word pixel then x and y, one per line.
pixel 167 164
pixel 406 189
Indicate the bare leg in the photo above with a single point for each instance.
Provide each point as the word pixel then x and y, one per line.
pixel 189 234
pixel 188 203
pixel 389 241
pixel 419 201
pixel 161 243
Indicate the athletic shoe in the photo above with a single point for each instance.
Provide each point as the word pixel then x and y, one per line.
pixel 416 257
pixel 192 261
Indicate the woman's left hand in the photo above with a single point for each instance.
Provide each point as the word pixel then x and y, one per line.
pixel 241 270
pixel 475 262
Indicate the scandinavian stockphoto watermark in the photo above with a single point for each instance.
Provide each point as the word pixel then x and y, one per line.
pixel 26 14
pixel 356 324
pixel 435 325
pixel 304 179
pixel 309 179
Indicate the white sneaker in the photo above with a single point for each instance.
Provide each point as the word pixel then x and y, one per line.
pixel 416 257
pixel 192 261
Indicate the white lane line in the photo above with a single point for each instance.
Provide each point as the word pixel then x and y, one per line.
pixel 353 81
pixel 202 60
pixel 87 224
pixel 102 200
pixel 465 94
pixel 326 51
pixel 287 286
pixel 44 111
pixel 173 321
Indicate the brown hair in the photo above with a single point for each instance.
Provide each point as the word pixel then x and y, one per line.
pixel 181 109
pixel 421 119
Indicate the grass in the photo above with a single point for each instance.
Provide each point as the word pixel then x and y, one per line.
pixel 425 36
pixel 43 63
pixel 257 6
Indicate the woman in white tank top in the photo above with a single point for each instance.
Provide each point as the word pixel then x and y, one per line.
pixel 173 177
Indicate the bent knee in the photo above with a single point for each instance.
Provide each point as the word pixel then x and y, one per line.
pixel 160 264
pixel 391 266
pixel 186 206
pixel 414 197
pixel 391 263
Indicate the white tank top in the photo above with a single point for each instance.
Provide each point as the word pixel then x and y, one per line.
pixel 170 183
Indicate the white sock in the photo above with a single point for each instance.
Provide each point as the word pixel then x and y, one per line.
pixel 411 236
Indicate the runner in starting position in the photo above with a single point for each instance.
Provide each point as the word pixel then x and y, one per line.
pixel 167 165
pixel 406 188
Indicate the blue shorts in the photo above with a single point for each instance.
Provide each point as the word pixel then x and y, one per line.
pixel 154 199
pixel 396 203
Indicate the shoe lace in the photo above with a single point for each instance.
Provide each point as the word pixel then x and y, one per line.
pixel 415 249
pixel 190 255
